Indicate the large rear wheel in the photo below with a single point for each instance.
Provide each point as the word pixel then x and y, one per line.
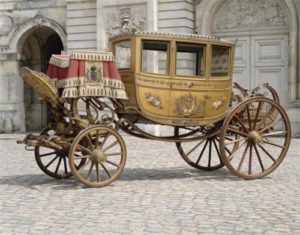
pixel 260 129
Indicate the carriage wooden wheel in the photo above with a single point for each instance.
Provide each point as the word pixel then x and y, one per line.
pixel 105 154
pixel 53 162
pixel 202 154
pixel 262 130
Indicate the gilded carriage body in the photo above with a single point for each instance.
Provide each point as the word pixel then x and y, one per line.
pixel 176 79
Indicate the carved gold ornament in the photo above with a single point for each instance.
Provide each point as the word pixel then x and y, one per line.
pixel 218 103
pixel 189 105
pixel 153 100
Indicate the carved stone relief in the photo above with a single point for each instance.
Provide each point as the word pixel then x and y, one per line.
pixel 125 20
pixel 6 24
pixel 250 14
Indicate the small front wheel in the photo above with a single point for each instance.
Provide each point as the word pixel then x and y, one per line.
pixel 51 161
pixel 104 152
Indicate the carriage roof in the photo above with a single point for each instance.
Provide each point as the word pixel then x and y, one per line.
pixel 176 36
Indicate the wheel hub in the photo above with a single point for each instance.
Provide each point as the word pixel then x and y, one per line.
pixel 255 137
pixel 98 156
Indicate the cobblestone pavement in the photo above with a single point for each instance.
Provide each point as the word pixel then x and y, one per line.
pixel 158 193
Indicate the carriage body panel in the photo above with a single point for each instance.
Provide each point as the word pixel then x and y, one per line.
pixel 181 80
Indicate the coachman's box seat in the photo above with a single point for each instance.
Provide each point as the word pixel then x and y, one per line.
pixel 86 74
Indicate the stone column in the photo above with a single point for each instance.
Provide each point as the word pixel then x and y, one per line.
pixel 11 95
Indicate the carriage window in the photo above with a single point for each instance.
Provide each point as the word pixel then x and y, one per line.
pixel 190 59
pixel 219 61
pixel 123 54
pixel 155 57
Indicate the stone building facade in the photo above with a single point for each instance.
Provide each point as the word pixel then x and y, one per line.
pixel 267 33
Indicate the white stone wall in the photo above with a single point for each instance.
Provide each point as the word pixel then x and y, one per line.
pixel 17 19
pixel 82 25
pixel 176 16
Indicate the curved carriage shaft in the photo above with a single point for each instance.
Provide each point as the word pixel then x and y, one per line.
pixel 264 90
pixel 260 130
pixel 267 91
pixel 104 152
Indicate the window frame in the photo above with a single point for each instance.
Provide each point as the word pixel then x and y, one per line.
pixel 203 76
pixel 131 53
pixel 168 72
pixel 230 64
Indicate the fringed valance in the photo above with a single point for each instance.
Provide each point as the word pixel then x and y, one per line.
pixel 87 74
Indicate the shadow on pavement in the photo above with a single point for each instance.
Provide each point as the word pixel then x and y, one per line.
pixel 133 174
pixel 39 181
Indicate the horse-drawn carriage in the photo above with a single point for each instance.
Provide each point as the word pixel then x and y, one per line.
pixel 179 80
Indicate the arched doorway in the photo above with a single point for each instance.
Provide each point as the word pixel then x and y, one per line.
pixel 261 28
pixel 36 50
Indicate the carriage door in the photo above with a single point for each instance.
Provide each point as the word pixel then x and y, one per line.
pixel 261 31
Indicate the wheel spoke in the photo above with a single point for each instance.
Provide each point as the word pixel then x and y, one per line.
pixel 65 165
pixel 89 141
pixel 90 170
pixel 240 121
pixel 58 164
pixel 97 139
pixel 82 157
pixel 104 140
pixel 84 149
pixel 200 156
pixel 259 158
pixel 236 131
pixel 48 154
pixel 112 163
pixel 249 118
pixel 51 161
pixel 113 154
pixel 105 169
pixel 270 125
pixel 277 145
pixel 266 152
pixel 250 160
pixel 226 138
pixel 256 116
pixel 226 149
pixel 243 158
pixel 217 149
pixel 209 155
pixel 235 141
pixel 85 164
pixel 97 172
pixel 230 157
pixel 110 146
pixel 192 150
pixel 276 133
